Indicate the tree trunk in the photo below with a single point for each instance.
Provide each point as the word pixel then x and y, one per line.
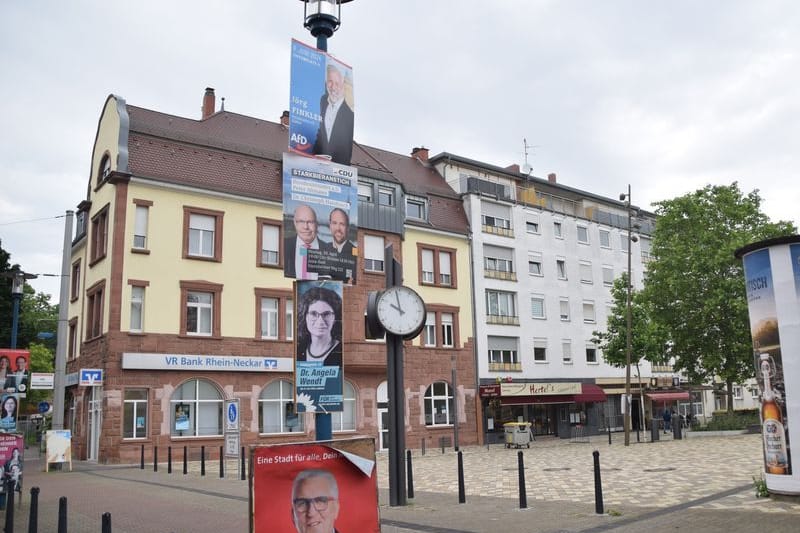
pixel 729 392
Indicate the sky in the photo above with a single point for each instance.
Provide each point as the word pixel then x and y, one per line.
pixel 665 96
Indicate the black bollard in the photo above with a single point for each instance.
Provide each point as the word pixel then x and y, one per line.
pixel 141 459
pixel 62 514
pixel 9 488
pixel 598 486
pixel 609 434
pixel 409 474
pixel 242 473
pixel 155 458
pixel 33 515
pixel 523 495
pixel 462 496
pixel 185 469
pixel 221 462
pixel 169 459
pixel 423 446
pixel 106 526
pixel 202 460
pixel 441 441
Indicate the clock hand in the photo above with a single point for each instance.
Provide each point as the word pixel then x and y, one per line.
pixel 397 296
pixel 399 310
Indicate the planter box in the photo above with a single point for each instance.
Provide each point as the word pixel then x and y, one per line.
pixel 697 434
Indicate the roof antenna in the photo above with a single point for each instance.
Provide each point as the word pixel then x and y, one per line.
pixel 526 168
pixel 222 108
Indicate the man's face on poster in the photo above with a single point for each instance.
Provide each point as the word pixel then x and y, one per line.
pixel 314 507
pixel 334 83
pixel 338 224
pixel 305 224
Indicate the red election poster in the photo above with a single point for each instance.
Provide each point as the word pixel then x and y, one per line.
pixel 314 488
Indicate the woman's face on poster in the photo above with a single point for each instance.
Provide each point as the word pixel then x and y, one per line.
pixel 319 319
pixel 9 406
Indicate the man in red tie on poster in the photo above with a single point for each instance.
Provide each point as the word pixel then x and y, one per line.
pixel 297 247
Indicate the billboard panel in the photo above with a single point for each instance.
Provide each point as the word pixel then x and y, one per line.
pixel 15 371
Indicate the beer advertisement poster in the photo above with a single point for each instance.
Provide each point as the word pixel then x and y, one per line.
pixel 320 219
pixel 768 360
pixel 297 488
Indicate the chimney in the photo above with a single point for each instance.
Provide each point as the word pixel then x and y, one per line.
pixel 551 177
pixel 209 103
pixel 513 168
pixel 421 153
pixel 285 119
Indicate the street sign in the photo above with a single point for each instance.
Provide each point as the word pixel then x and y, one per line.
pixel 42 380
pixel 91 377
pixel 44 407
pixel 232 415
pixel 231 445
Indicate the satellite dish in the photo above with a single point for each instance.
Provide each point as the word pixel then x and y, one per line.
pixel 527 169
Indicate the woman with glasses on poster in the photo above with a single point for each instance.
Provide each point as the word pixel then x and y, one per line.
pixel 320 327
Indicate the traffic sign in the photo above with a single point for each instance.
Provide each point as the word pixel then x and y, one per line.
pixel 232 415
pixel 44 407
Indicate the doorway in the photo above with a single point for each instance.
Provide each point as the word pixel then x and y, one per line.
pixel 95 422
pixel 383 416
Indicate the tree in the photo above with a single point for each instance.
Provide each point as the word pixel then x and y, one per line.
pixel 695 287
pixel 41 361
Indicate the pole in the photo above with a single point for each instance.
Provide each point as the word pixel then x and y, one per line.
pixel 15 319
pixel 455 402
pixel 394 368
pixel 62 334
pixel 628 334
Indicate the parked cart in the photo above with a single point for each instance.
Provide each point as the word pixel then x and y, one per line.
pixel 518 434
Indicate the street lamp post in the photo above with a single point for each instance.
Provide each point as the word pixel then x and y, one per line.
pixel 631 239
pixel 322 18
pixel 17 289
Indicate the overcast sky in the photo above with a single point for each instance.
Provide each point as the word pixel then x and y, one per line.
pixel 665 96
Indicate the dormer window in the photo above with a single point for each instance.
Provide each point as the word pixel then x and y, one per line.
pixel 416 208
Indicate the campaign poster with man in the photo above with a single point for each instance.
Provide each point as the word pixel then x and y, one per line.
pixel 15 371
pixel 320 219
pixel 321 105
pixel 319 488
pixel 318 347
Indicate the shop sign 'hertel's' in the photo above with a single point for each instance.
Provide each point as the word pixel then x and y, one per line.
pixel 539 389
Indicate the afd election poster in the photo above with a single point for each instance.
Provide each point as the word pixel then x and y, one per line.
pixel 298 488
pixel 321 105
pixel 318 347
pixel 320 219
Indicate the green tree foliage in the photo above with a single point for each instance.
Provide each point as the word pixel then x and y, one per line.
pixel 41 361
pixel 695 287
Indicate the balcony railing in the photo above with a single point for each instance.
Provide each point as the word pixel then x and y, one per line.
pixel 505 367
pixel 502 319
pixel 496 230
pixel 500 274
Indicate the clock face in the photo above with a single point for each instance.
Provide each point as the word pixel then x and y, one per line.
pixel 401 311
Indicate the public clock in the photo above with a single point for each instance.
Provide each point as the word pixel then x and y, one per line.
pixel 398 310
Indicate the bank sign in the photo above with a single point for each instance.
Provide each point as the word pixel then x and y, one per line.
pixel 205 363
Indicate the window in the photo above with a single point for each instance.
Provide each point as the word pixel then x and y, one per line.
pixel 500 304
pixel 364 192
pixel 275 312
pixel 561 268
pixel 537 306
pixel 558 230
pixel 200 312
pixel 496 218
pixel 105 169
pixel 502 354
pixel 645 248
pixel 447 330
pixel 608 275
pixel 563 309
pixel 134 414
pixel 94 310
pixel 416 208
pixel 441 326
pixel 269 239
pixel 269 318
pixel 99 236
pixel 495 222
pixel 289 319
pixel 498 262
pixel 373 253
pixel 566 351
pixel 346 419
pixel 540 350
pixel 73 339
pixel 436 266
pixel 586 272
pixel 75 281
pixel 429 338
pixel 276 409
pixel 535 263
pixel 137 308
pixel 588 312
pixel 386 196
pixel 591 353
pixel 202 234
pixel 140 217
pixel 623 242
pixel 438 404
pixel 737 392
pixel 605 238
pixel 583 235
pixel 196 409
pixel 532 226
pixel 754 392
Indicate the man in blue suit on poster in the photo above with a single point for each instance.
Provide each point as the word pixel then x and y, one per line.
pixel 335 134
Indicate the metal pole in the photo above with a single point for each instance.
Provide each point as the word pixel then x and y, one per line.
pixel 15 319
pixel 455 402
pixel 62 333
pixel 627 419
pixel 394 368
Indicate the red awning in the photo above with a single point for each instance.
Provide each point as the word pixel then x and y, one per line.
pixel 666 396
pixel 590 393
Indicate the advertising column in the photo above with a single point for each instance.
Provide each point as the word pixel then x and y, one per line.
pixel 772 282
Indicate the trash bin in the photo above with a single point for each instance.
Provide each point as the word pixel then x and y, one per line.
pixel 677 425
pixel 654 430
pixel 518 434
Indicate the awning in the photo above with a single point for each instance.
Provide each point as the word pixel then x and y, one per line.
pixel 666 396
pixel 590 393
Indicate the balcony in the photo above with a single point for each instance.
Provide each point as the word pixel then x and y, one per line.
pixel 500 274
pixel 504 320
pixel 505 367
pixel 496 230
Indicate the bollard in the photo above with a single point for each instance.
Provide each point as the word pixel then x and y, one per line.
pixel 441 441
pixel 523 495
pixel 423 446
pixel 155 458
pixel 9 488
pixel 676 428
pixel 106 526
pixel 609 434
pixel 654 436
pixel 221 462
pixel 141 459
pixel 242 475
pixel 462 497
pixel 598 486
pixel 185 470
pixel 202 460
pixel 33 514
pixel 409 474
pixel 169 459
pixel 62 514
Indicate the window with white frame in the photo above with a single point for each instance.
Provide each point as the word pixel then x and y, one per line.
pixel 624 241
pixel 199 313
pixel 608 275
pixel 583 235
pixel 500 303
pixel 591 353
pixel 502 350
pixel 737 392
pixel 605 238
pixel 134 414
pixel 269 317
pixel 445 272
pixel 289 314
pixel 346 419
pixel 137 308
pixel 754 392
pixel 438 404
pixel 645 247
pixel 563 309
pixel 436 265
pixel 270 244
pixel 558 230
pixel 196 409
pixel 537 306
pixel 427 266
pixel 201 235
pixel 532 225
pixel 495 215
pixel 364 192
pixel 586 272
pixel 561 268
pixel 535 263
pixel 386 196
pixel 416 208
pixel 566 351
pixel 429 337
pixel 447 330
pixel 498 259
pixel 140 227
pixel 540 350
pixel 588 312
pixel 276 409
pixel 373 253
